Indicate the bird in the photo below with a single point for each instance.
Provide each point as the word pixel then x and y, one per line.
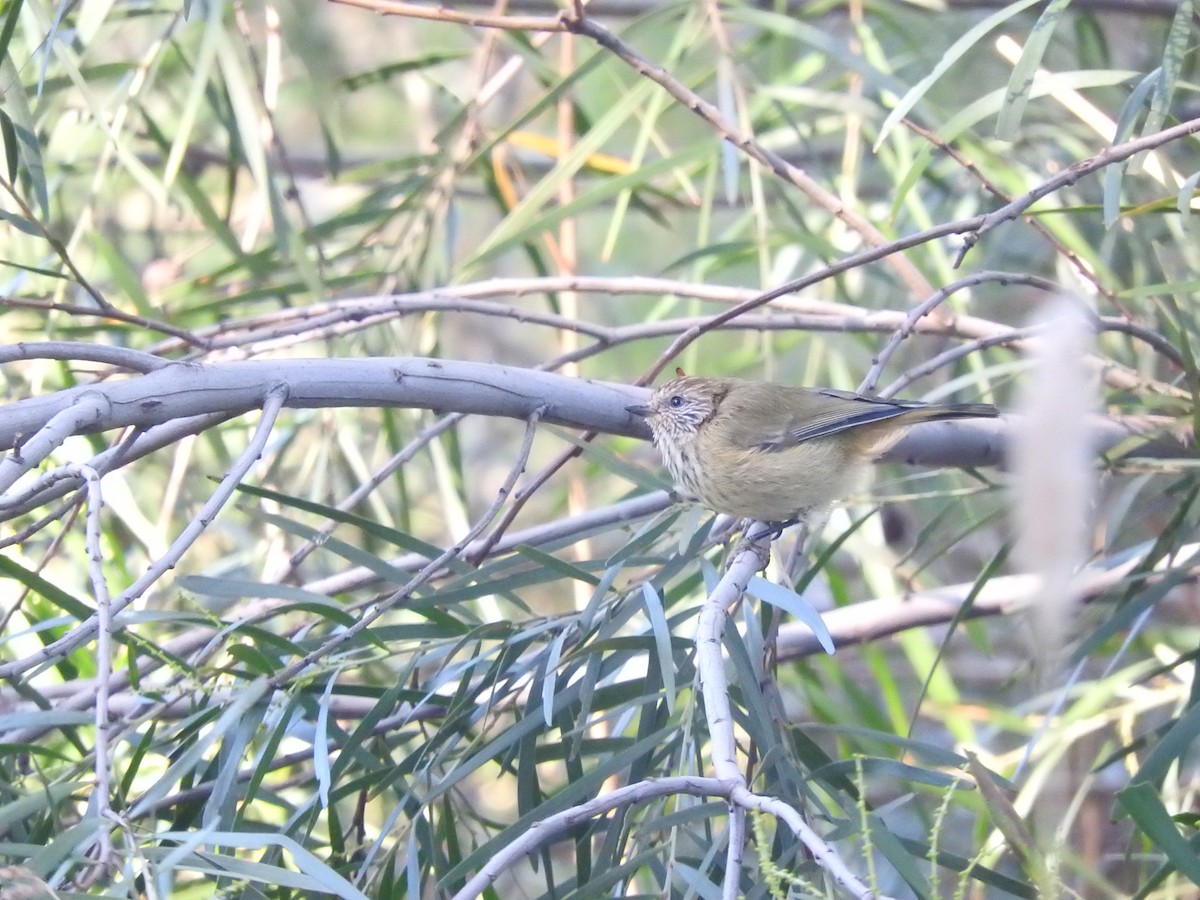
pixel 774 452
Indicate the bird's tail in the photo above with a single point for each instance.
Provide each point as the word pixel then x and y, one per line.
pixel 882 441
pixel 933 412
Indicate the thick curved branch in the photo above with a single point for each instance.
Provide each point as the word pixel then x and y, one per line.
pixel 189 389
pixel 184 390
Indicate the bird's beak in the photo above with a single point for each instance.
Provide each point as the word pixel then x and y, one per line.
pixel 639 410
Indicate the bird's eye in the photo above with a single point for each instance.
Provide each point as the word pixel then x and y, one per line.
pixel 676 401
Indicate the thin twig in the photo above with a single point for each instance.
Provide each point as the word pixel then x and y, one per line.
pixel 57 246
pixel 872 620
pixel 523 496
pixel 540 832
pixel 125 358
pixel 360 493
pixel 259 334
pixel 952 355
pixel 734 853
pixel 749 558
pixel 136 444
pixel 477 20
pixel 85 408
pixel 1073 173
pixel 100 803
pixel 559 532
pixel 82 633
pixel 921 310
pixel 994 189
pixel 108 312
pixel 386 604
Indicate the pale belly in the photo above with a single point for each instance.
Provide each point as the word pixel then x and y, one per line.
pixel 781 485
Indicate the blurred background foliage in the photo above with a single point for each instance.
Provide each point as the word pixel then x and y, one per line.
pixel 212 181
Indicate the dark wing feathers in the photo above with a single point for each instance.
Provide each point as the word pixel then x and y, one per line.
pixel 775 417
pixel 839 421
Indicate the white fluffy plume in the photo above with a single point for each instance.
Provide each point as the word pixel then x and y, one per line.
pixel 1054 474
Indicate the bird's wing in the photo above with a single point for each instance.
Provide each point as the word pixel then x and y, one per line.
pixel 767 422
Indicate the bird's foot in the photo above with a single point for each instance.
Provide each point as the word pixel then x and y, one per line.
pixel 772 530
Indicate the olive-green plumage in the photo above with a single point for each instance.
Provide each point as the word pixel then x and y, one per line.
pixel 775 452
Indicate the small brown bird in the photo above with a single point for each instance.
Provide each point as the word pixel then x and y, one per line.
pixel 774 452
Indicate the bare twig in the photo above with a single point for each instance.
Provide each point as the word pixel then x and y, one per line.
pixel 556 532
pixel 125 358
pixel 921 310
pixel 563 822
pixel 135 445
pixel 994 189
pixel 952 355
pixel 100 804
pixel 872 620
pixel 388 603
pixel 284 328
pixel 360 493
pixel 83 632
pixel 82 410
pixel 710 663
pixel 1106 157
pixel 443 14
pixel 107 312
pixel 57 246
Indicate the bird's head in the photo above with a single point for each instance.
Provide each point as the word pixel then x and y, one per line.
pixel 679 408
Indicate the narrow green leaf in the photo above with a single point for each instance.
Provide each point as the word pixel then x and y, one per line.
pixel 314 874
pixel 45 718
pixel 24 126
pixel 1126 119
pixel 36 805
pixel 1178 47
pixel 1179 739
pixel 1186 195
pixel 241 588
pixel 220 808
pixel 1020 82
pixel 791 602
pixel 39 585
pixel 62 846
pixel 200 70
pixel 890 770
pixel 1003 813
pixel 909 867
pixel 987 105
pixel 531 219
pixel 662 641
pixel 393 536
pixel 12 14
pixel 551 677
pixel 19 222
pixel 188 761
pixel 1145 807
pixel 561 566
pixel 8 133
pixel 980 873
pixel 321 768
pixel 386 72
pixel 953 54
